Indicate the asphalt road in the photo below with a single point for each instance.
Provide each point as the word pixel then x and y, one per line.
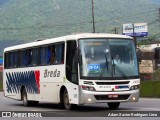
pixel 94 110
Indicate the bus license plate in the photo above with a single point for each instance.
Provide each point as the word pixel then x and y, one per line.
pixel 113 96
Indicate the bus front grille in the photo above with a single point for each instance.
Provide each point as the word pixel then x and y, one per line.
pixel 112 83
pixel 105 97
pixel 88 82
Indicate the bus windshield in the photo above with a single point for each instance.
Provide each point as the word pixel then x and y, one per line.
pixel 103 59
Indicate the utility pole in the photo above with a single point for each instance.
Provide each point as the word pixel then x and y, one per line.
pixel 93 17
pixel 115 29
pixel 134 37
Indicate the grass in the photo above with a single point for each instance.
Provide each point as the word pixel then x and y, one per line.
pixel 150 89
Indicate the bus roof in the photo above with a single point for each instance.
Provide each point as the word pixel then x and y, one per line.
pixel 64 39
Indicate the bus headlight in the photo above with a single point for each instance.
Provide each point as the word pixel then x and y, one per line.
pixel 133 98
pixel 135 87
pixel 89 99
pixel 89 88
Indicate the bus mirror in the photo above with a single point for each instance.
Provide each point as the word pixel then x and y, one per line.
pixel 139 55
pixel 77 55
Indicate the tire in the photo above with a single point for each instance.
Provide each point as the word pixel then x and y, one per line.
pixel 61 104
pixel 66 103
pixel 34 103
pixel 25 99
pixel 113 105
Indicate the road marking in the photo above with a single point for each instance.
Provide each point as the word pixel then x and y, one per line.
pixel 142 108
pixel 35 110
pixel 60 112
pixel 150 99
pixel 56 112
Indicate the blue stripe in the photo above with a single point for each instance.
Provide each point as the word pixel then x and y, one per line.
pixel 15 80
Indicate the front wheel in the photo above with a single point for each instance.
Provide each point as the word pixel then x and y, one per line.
pixel 67 105
pixel 113 105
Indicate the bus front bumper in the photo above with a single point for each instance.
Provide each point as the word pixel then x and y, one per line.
pixel 88 97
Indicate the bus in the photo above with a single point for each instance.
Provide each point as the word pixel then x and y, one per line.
pixel 72 70
pixel 150 60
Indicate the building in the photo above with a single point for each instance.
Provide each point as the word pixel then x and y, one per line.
pixel 150 61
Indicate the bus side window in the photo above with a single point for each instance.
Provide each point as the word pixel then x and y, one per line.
pixel 35 56
pixel 15 59
pixel 26 58
pixel 48 54
pixel 71 65
pixel 44 55
pixel 6 60
pixel 30 53
pixel 12 59
pixel 22 58
pixel 60 53
pixel 19 59
pixel 52 55
pixel 39 56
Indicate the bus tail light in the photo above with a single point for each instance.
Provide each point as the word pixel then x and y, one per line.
pixel 89 88
pixel 135 87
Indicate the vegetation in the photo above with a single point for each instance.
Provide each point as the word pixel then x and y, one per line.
pixel 150 85
pixel 27 20
pixel 150 89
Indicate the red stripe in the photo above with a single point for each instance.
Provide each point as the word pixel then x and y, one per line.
pixel 37 75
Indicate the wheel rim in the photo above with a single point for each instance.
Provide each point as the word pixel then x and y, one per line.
pixel 24 100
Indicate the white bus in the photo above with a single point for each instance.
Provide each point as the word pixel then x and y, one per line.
pixel 73 70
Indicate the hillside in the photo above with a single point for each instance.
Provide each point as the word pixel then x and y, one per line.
pixel 26 20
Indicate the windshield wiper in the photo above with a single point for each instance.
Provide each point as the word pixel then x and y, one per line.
pixel 101 74
pixel 115 67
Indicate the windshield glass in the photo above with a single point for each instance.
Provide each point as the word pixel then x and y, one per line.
pixel 108 59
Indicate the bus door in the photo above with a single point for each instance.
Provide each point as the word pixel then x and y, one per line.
pixel 72 72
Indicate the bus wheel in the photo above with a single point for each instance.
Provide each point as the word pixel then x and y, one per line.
pixel 113 105
pixel 34 103
pixel 67 105
pixel 25 99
